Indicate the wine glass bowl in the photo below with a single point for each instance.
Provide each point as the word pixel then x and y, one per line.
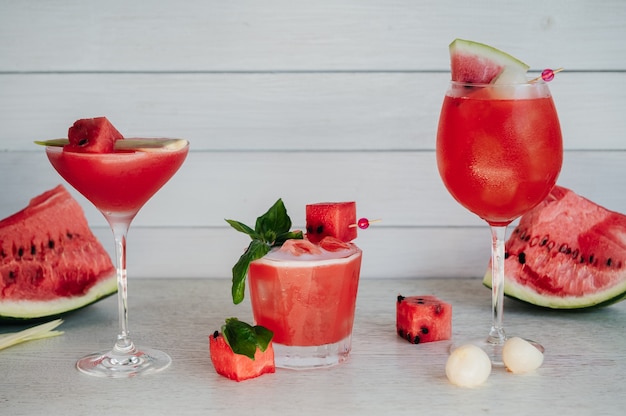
pixel 499 153
pixel 119 184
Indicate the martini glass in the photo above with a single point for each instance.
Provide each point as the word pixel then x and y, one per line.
pixel 499 153
pixel 119 184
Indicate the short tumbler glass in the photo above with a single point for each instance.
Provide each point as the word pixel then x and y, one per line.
pixel 309 305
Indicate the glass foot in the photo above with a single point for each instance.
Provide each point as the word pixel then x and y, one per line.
pixel 114 365
pixel 318 356
pixel 493 349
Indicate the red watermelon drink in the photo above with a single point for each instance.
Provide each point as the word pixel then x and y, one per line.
pixel 118 176
pixel 308 300
pixel 499 148
pixel 303 288
pixel 121 182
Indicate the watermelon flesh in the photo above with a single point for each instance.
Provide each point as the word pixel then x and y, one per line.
pixel 92 135
pixel 421 319
pixel 477 63
pixel 239 367
pixel 335 219
pixel 566 253
pixel 50 261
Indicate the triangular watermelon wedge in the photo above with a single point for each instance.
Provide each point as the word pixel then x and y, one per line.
pixel 477 63
pixel 50 261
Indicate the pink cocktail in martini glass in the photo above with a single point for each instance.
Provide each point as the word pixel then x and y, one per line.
pixel 119 183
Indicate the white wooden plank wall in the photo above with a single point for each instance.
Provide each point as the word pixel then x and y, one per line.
pixel 304 100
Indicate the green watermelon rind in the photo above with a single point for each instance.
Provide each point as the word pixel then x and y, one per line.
pixel 514 71
pixel 27 310
pixel 606 297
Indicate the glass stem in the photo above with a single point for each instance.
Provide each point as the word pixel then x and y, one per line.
pixel 496 334
pixel 120 227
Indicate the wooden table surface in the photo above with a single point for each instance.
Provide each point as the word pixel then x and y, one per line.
pixel 584 371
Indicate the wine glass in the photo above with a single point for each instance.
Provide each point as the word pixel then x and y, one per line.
pixel 119 184
pixel 499 153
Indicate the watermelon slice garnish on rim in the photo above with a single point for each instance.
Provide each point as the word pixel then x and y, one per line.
pixel 477 63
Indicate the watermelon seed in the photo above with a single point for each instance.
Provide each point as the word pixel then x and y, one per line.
pixel 33 249
pixel 216 334
pixel 51 244
pixel 506 255
pixel 83 142
pixel 400 298
pixel 608 262
pixel 20 251
pixel 424 330
pixel 521 257
pixel 320 229
pixel 544 241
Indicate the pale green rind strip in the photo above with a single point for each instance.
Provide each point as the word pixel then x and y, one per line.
pixel 30 334
pixel 145 145
pixel 605 297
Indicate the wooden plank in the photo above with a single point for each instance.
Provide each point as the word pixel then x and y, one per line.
pixel 389 252
pixel 244 35
pixel 339 111
pixel 402 188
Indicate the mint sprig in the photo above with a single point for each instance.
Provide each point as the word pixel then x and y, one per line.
pixel 244 338
pixel 271 229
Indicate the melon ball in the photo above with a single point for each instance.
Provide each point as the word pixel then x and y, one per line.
pixel 468 366
pixel 520 356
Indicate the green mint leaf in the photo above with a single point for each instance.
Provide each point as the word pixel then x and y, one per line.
pixel 263 337
pixel 244 338
pixel 273 223
pixel 291 235
pixel 243 228
pixel 255 250
pixel 271 229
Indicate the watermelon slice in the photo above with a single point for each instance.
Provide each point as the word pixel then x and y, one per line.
pixel 50 262
pixel 566 253
pixel 335 219
pixel 422 319
pixel 241 351
pixel 477 63
pixel 92 135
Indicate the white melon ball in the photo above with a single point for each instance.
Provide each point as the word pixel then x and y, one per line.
pixel 468 366
pixel 520 356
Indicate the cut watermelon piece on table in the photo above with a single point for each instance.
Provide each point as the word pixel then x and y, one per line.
pixel 236 366
pixel 422 319
pixel 92 135
pixel 566 253
pixel 50 261
pixel 477 63
pixel 242 351
pixel 335 219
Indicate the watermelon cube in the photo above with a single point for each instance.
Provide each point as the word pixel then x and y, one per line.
pixel 422 319
pixel 335 219
pixel 92 135
pixel 239 367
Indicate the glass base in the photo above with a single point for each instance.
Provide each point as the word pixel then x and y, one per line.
pixel 493 349
pixel 318 356
pixel 115 365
